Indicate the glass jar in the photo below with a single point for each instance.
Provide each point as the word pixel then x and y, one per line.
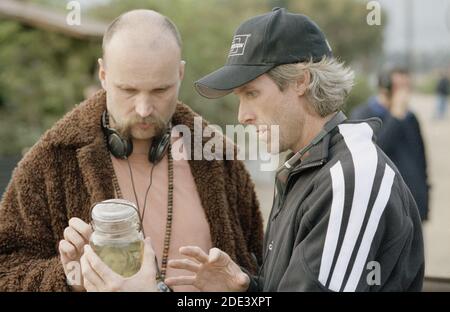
pixel 117 237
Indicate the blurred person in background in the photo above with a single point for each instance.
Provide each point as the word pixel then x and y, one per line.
pixel 442 90
pixel 400 136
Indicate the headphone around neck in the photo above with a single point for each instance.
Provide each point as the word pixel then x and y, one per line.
pixel 122 148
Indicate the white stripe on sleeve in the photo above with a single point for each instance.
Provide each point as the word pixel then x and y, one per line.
pixel 358 138
pixel 374 219
pixel 334 222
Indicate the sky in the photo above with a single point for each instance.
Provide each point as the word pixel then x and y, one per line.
pixel 429 23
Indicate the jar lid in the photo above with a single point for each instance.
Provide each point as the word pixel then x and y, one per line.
pixel 113 210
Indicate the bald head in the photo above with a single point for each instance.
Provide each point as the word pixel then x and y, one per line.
pixel 141 72
pixel 143 27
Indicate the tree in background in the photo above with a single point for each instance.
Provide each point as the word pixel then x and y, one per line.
pixel 207 28
pixel 42 75
pixel 351 38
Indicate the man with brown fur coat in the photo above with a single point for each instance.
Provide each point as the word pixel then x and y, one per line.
pixel 44 212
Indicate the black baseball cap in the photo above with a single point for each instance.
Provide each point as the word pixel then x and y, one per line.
pixel 262 43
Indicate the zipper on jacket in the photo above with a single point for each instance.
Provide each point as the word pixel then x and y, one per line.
pixel 293 173
pixel 269 249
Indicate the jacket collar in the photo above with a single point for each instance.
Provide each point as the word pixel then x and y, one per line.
pixel 317 157
pixel 318 154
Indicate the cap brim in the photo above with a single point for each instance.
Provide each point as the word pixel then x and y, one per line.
pixel 224 80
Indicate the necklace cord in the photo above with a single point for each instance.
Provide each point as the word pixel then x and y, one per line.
pixel 161 273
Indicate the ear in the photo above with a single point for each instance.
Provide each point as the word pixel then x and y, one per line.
pixel 182 67
pixel 102 73
pixel 302 83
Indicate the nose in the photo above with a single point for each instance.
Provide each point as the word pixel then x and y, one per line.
pixel 144 106
pixel 246 115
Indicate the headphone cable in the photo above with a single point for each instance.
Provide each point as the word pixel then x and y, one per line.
pixel 146 192
pixel 158 271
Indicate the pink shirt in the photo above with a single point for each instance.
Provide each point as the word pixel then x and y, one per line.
pixel 189 224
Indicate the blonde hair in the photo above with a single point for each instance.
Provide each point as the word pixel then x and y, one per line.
pixel 330 84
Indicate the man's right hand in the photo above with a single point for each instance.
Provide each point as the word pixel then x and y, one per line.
pixel 213 272
pixel 76 235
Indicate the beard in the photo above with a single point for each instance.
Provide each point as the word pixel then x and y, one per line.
pixel 130 128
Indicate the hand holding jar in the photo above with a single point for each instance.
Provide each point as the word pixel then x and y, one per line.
pixel 76 236
pixel 97 276
pixel 117 257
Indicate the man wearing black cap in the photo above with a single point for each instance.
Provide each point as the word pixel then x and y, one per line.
pixel 343 218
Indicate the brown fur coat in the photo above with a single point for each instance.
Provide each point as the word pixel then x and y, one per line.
pixel 66 171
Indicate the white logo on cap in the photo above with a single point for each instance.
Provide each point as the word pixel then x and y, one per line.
pixel 238 45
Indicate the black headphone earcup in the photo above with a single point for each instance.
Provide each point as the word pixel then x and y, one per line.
pixel 119 147
pixel 159 148
pixel 122 148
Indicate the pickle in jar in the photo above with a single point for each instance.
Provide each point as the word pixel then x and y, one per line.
pixel 124 259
